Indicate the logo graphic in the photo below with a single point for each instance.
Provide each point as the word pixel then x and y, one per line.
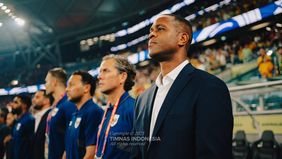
pixel 54 111
pixel 77 122
pixel 115 120
pixel 18 126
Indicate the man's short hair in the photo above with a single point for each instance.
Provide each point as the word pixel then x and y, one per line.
pixel 123 65
pixel 60 74
pixel 86 78
pixel 48 96
pixel 187 24
pixel 25 99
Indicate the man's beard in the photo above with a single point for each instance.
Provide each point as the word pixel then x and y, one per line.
pixel 17 111
pixel 37 107
pixel 76 99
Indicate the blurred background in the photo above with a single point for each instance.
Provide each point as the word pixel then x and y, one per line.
pixel 239 41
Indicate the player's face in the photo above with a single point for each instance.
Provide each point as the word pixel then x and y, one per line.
pixel 109 77
pixel 163 38
pixel 75 89
pixel 49 84
pixel 38 100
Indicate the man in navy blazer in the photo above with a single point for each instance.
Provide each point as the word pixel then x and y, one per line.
pixel 41 102
pixel 187 113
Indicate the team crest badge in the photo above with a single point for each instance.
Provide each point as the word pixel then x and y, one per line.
pixel 115 120
pixel 54 111
pixel 18 126
pixel 77 122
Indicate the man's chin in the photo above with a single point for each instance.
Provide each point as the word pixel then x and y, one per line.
pixel 159 57
pixel 48 93
pixel 74 100
pixel 37 107
pixel 106 92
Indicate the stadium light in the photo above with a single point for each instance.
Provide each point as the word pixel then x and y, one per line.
pixel 4 7
pixel 14 82
pixel 10 14
pixel 7 11
pixel 82 42
pixel 20 21
pixel 0 24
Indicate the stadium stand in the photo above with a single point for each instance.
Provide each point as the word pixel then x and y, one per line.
pixel 233 57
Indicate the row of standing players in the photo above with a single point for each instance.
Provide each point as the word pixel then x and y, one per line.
pixel 69 128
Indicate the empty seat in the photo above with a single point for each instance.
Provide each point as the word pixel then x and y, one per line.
pixel 240 146
pixel 267 147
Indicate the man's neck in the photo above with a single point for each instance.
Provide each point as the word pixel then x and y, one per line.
pixel 23 112
pixel 58 93
pixel 83 100
pixel 168 66
pixel 44 108
pixel 114 96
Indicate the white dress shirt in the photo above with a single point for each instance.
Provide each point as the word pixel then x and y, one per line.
pixel 38 117
pixel 163 84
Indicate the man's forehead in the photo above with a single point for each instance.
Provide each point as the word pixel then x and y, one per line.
pixel 49 76
pixel 16 99
pixel 39 93
pixel 75 78
pixel 163 19
pixel 107 63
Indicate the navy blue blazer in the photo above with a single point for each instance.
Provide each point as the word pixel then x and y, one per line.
pixel 194 122
pixel 39 138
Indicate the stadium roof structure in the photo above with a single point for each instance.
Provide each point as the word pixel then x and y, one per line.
pixel 66 19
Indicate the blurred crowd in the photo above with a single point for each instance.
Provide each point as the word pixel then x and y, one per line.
pixel 235 7
pixel 240 51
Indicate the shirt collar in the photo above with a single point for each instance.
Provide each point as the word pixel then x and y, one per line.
pixel 122 98
pixel 124 95
pixel 85 105
pixel 42 112
pixel 171 76
pixel 25 115
pixel 62 100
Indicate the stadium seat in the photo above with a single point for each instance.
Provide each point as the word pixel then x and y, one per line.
pixel 267 147
pixel 241 147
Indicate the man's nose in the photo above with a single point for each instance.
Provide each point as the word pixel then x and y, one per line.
pixel 152 34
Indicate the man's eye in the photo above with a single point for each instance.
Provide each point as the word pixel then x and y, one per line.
pixel 160 28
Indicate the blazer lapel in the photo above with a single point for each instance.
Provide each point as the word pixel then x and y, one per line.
pixel 148 111
pixel 177 86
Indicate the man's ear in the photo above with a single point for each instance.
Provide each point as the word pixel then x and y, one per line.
pixel 183 39
pixel 87 88
pixel 123 76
